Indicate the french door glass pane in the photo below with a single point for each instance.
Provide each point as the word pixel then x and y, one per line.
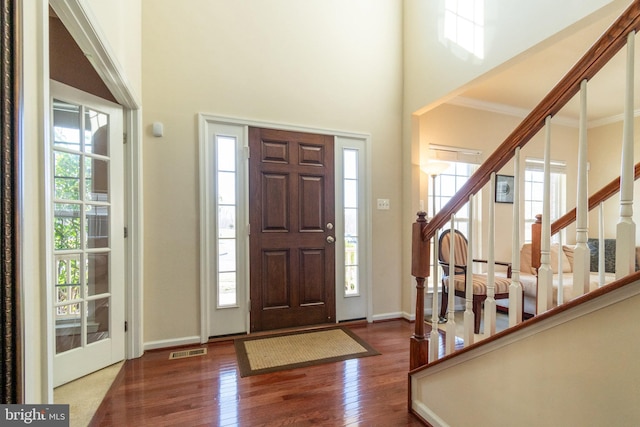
pixel 97 220
pixel 66 176
pixel 97 273
pixel 68 278
pixel 96 179
pixel 66 125
pixel 96 132
pixel 68 327
pixel 97 320
pixel 66 224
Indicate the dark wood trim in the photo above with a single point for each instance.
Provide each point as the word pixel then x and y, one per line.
pixel 588 66
pixel 420 256
pixel 601 195
pixel 10 154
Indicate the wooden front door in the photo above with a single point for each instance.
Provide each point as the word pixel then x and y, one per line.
pixel 291 190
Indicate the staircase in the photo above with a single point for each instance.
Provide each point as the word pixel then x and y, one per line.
pixel 573 364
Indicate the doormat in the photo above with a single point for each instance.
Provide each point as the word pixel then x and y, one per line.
pixel 261 355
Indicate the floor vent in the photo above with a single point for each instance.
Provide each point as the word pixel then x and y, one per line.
pixel 187 353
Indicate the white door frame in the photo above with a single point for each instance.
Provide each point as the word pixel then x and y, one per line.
pixel 83 27
pixel 206 122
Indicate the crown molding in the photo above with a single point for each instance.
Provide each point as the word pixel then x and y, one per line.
pixel 494 107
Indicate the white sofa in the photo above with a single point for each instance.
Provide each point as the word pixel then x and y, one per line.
pixel 529 280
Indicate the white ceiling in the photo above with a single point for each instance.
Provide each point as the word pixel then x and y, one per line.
pixel 520 85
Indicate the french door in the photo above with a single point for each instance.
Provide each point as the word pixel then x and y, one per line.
pixel 86 224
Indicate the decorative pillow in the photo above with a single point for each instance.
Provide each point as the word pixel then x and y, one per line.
pixel 609 254
pixel 525 259
pixel 566 265
pixel 568 251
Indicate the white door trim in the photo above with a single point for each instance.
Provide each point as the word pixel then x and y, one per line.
pixel 206 120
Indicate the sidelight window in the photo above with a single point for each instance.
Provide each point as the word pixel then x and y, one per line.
pixel 227 208
pixel 351 210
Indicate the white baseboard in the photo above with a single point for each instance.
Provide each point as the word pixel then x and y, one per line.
pixel 155 345
pixel 388 316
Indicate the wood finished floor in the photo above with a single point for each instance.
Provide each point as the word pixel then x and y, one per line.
pixel 208 391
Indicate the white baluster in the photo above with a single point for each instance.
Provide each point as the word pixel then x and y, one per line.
pixel 581 253
pixel 434 339
pixel 545 273
pixel 515 288
pixel 560 294
pixel 626 228
pixel 490 302
pixel 601 275
pixel 451 320
pixel 468 312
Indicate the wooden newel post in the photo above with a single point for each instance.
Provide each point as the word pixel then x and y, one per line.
pixel 420 256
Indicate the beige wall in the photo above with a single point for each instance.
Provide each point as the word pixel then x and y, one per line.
pixel 579 373
pixel 605 146
pixel 120 23
pixel 323 64
pixel 436 68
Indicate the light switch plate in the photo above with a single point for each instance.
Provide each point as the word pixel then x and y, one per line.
pixel 384 204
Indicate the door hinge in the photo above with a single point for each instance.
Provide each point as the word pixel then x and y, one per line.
pixel 126 232
pixel 124 138
pixel 248 229
pixel 247 152
pixel 126 326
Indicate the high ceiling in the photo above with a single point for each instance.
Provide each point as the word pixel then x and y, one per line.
pixel 525 81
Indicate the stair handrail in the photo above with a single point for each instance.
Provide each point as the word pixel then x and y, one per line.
pixel 586 68
pixel 605 193
pixel 598 197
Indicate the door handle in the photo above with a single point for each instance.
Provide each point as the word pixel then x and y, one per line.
pixel 330 239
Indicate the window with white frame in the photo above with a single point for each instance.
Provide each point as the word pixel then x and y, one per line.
pixel 447 185
pixel 351 216
pixel 226 159
pixel 534 192
pixel 462 164
pixel 464 25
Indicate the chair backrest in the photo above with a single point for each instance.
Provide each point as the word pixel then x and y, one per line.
pixel 460 250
